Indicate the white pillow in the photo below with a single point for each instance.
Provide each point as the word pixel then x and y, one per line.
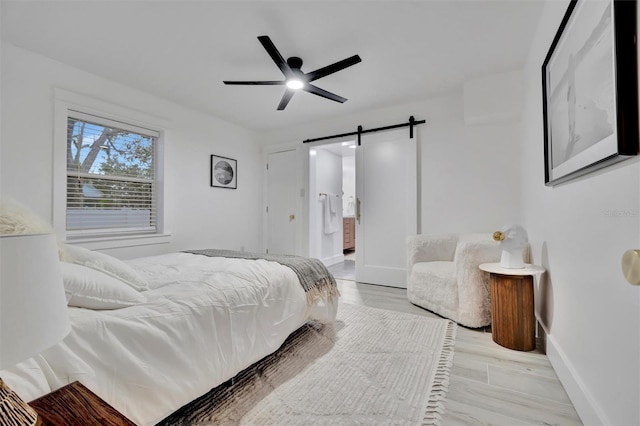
pixel 88 288
pixel 107 264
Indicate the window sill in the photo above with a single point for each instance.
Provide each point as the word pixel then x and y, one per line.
pixel 100 243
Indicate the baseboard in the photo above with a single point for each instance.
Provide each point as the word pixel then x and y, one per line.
pixel 328 261
pixel 585 404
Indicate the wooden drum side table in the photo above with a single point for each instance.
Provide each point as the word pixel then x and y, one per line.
pixel 74 404
pixel 513 321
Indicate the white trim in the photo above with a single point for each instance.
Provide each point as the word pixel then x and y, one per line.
pixel 332 260
pixel 64 101
pixel 587 407
pixel 100 243
pixel 76 234
pixel 109 110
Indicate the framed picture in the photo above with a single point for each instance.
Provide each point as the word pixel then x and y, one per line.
pixel 590 90
pixel 224 172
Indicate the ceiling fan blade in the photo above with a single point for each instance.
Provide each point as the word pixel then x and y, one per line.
pixel 288 94
pixel 321 92
pixel 330 69
pixel 275 55
pixel 256 83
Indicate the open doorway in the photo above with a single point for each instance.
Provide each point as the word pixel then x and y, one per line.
pixel 332 187
pixel 386 207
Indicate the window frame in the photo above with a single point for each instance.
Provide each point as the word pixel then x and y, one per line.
pixel 64 103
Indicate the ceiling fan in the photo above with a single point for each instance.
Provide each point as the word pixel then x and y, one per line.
pixel 295 78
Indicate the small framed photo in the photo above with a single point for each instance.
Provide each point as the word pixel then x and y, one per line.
pixel 224 172
pixel 590 90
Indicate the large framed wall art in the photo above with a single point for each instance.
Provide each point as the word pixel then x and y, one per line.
pixel 590 90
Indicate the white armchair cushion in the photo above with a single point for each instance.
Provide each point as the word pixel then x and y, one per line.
pixel 432 283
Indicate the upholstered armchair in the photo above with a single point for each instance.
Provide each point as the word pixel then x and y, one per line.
pixel 443 275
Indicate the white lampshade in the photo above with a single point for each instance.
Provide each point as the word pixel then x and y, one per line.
pixel 33 307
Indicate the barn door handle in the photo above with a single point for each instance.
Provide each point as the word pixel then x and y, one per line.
pixel 358 210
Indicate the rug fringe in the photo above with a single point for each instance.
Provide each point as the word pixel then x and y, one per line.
pixel 435 404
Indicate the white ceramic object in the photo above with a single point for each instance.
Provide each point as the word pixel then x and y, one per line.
pixel 513 241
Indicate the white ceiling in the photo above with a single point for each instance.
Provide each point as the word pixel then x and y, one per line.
pixel 182 50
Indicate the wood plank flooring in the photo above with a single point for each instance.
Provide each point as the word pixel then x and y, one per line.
pixel 489 384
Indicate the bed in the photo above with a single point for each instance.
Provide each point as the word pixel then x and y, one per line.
pixel 197 322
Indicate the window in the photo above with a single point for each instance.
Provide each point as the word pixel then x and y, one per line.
pixel 111 177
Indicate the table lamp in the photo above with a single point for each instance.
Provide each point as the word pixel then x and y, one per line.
pixel 513 241
pixel 33 310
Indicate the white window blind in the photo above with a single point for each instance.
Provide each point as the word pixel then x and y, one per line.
pixel 111 177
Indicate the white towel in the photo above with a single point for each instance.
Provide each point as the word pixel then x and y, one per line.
pixel 331 225
pixel 333 204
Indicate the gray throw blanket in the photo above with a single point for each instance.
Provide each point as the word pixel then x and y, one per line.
pixel 314 277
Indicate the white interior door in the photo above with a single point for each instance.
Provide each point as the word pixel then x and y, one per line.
pixel 386 191
pixel 282 205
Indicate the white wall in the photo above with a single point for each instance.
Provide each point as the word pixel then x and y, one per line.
pixel 579 231
pixel 325 177
pixel 197 215
pixel 493 98
pixel 469 180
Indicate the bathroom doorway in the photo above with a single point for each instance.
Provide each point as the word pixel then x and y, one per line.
pixel 332 186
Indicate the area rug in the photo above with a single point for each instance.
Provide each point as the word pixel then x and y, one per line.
pixel 372 366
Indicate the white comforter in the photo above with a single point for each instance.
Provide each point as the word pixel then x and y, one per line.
pixel 205 320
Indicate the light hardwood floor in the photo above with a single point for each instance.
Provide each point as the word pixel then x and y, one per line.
pixel 489 384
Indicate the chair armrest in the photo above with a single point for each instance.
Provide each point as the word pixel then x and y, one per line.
pixel 429 248
pixel 472 253
pixel 474 305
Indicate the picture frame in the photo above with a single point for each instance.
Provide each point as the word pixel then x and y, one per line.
pixel 590 90
pixel 224 172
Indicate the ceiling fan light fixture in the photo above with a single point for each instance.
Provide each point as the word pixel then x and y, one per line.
pixel 294 84
pixel 295 78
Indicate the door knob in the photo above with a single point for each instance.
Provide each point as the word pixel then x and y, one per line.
pixel 292 217
pixel 631 266
pixel 358 209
